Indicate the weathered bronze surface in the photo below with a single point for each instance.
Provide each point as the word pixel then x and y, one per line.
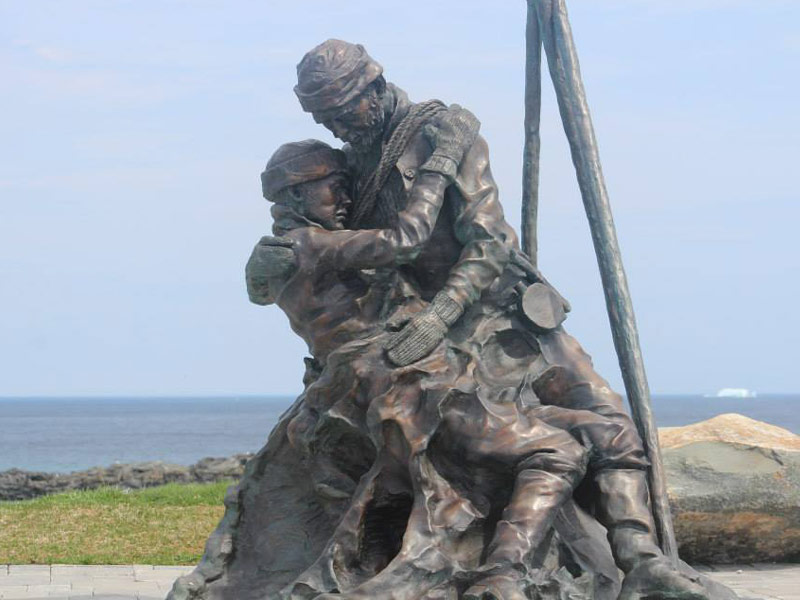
pixel 452 440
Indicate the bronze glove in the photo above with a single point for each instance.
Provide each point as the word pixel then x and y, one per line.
pixel 424 331
pixel 451 135
pixel 272 257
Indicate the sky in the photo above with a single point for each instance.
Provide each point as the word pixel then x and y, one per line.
pixel 133 135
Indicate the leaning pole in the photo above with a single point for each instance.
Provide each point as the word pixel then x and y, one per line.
pixel 531 150
pixel 549 18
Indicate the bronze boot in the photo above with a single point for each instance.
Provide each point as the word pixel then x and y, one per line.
pixel 624 509
pixel 525 523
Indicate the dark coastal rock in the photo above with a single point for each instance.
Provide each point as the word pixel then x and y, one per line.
pixel 16 484
pixel 734 487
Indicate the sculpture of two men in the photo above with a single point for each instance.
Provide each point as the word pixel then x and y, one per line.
pixel 405 281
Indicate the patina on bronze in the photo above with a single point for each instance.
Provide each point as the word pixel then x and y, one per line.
pixel 452 441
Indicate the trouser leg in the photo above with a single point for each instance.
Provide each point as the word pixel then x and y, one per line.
pixel 547 470
pixel 527 518
pixel 578 399
pixel 617 461
pixel 545 479
pixel 572 382
pixel 623 508
pixel 611 444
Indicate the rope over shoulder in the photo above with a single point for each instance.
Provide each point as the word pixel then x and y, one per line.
pixel 369 185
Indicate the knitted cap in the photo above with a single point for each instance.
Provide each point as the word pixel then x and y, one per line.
pixel 333 74
pixel 298 162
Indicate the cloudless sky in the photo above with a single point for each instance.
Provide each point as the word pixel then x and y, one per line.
pixel 132 135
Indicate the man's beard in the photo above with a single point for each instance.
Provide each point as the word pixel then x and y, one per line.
pixel 372 132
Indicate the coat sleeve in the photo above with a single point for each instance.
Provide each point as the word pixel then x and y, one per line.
pixel 375 248
pixel 480 226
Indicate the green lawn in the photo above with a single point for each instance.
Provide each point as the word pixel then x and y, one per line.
pixel 165 525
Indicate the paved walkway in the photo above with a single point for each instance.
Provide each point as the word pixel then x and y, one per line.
pixel 145 582
pixel 129 582
pixel 770 581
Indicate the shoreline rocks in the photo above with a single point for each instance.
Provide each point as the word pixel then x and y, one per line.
pixel 16 484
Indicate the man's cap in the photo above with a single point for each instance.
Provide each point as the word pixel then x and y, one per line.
pixel 333 74
pixel 299 162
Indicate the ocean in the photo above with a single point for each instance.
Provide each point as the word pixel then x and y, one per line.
pixel 68 434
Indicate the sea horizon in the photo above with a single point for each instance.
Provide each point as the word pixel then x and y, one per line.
pixel 71 433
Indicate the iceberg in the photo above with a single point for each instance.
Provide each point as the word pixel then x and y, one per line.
pixel 735 393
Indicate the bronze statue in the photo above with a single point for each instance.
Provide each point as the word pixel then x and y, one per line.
pixel 448 444
pixel 343 321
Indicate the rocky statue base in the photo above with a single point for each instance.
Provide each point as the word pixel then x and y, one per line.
pixel 279 521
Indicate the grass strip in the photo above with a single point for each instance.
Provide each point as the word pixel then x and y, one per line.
pixel 165 525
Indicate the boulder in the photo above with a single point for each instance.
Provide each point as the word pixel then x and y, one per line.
pixel 734 490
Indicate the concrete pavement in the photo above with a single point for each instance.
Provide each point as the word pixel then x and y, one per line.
pixel 147 582
pixel 117 582
pixel 768 581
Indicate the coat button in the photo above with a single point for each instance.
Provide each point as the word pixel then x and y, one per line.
pixel 409 173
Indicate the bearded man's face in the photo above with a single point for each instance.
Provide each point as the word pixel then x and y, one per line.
pixel 359 122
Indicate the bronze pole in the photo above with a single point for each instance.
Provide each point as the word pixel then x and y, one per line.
pixel 562 59
pixel 530 153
